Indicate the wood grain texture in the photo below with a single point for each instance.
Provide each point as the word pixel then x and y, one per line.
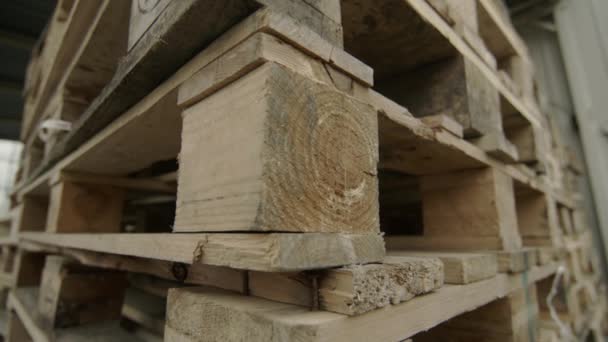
pixel 160 133
pixel 158 54
pixel 478 203
pixel 302 163
pixel 196 314
pixel 261 252
pixel 459 268
pixel 355 289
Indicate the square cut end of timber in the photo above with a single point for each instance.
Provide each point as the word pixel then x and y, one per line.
pixel 276 151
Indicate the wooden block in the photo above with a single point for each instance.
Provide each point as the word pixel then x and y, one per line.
pixel 72 294
pixel 78 207
pixel 496 145
pixel 256 50
pixel 533 218
pixel 453 87
pixel 517 261
pixel 299 164
pixel 353 290
pixel 261 252
pixel 459 268
pixel 470 204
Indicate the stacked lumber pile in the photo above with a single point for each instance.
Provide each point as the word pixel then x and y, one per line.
pixel 275 170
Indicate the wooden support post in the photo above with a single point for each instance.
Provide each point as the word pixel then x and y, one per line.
pixel 510 319
pixel 533 218
pixel 79 207
pixel 453 87
pixel 296 163
pixel 72 294
pixel 470 209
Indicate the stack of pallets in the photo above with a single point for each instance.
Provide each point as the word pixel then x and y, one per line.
pixel 276 170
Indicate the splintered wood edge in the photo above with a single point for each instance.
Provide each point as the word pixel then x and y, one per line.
pixel 187 307
pixel 274 252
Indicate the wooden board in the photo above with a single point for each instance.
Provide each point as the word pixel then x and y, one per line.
pixel 262 252
pixel 352 290
pixel 459 268
pixel 189 313
pixel 118 96
pixel 150 130
pixel 157 55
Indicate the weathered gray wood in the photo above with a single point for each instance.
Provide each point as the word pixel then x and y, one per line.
pixel 453 87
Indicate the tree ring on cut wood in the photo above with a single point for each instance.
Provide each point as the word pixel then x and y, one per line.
pixel 322 158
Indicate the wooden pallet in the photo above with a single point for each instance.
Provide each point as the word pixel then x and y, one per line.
pixel 272 167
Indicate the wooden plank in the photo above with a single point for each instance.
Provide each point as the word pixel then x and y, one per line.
pixel 407 145
pixel 273 252
pixel 189 311
pixel 352 290
pixel 149 130
pixel 459 268
pixel 198 274
pixel 143 15
pixel 517 261
pixel 322 145
pixel 69 24
pixel 111 105
pixel 454 87
pixel 140 71
pixel 321 16
pixel 248 55
pixel 444 122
